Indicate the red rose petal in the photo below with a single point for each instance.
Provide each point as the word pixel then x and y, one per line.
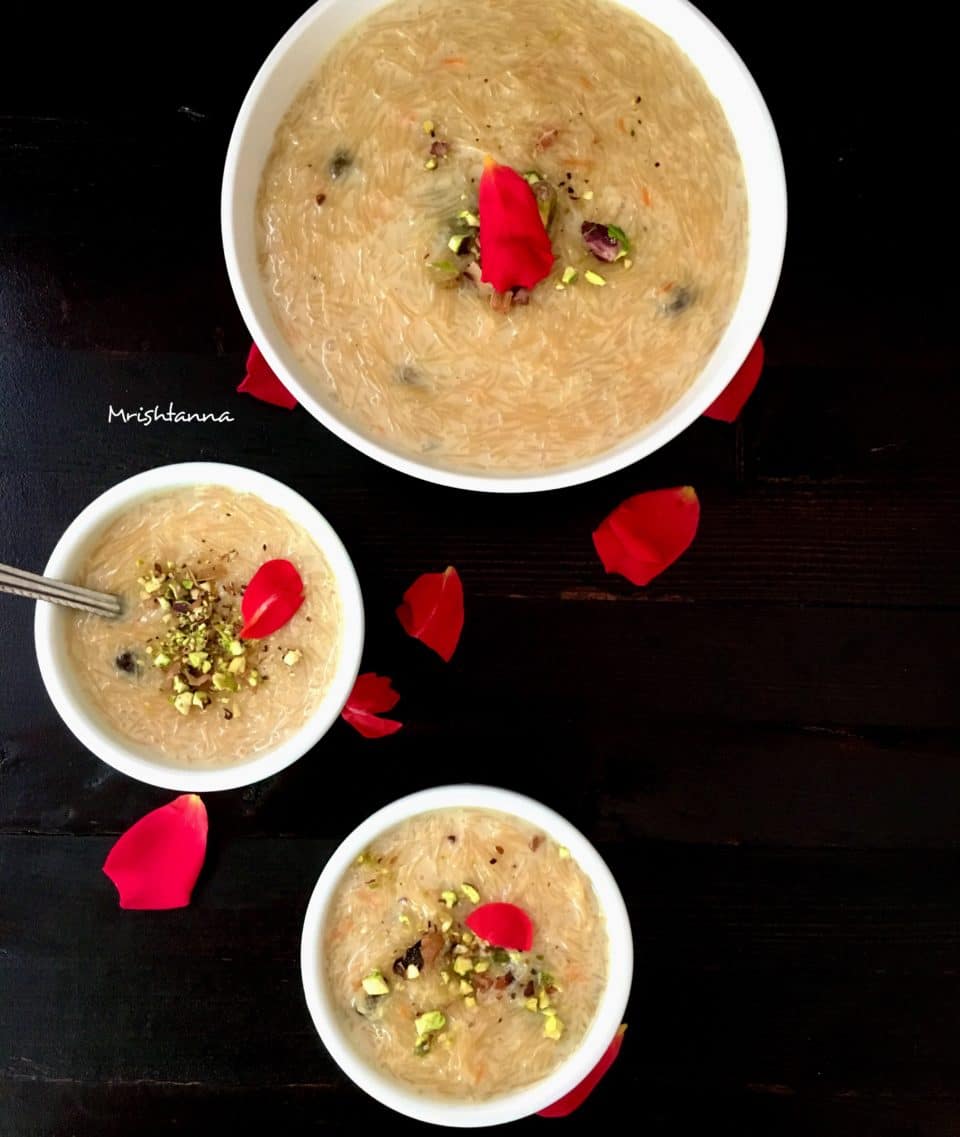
pixel 155 864
pixel 372 694
pixel 503 925
pixel 261 382
pixel 274 593
pixel 515 247
pixel 648 532
pixel 432 611
pixel 729 403
pixel 579 1094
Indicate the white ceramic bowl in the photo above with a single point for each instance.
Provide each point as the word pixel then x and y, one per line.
pixel 50 625
pixel 520 1103
pixel 296 58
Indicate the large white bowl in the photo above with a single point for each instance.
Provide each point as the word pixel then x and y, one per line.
pixel 63 687
pixel 520 1103
pixel 296 58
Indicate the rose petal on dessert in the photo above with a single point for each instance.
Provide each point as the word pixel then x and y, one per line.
pixel 274 593
pixel 730 402
pixel 371 695
pixel 503 925
pixel 579 1094
pixel 261 382
pixel 432 611
pixel 155 864
pixel 515 247
pixel 648 532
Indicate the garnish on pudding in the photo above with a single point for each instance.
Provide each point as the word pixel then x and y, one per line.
pixel 471 968
pixel 202 650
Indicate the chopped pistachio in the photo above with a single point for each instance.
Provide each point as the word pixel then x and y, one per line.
pixel 470 893
pixel 404 919
pixel 543 1000
pixel 161 659
pixel 482 965
pixel 552 1027
pixel 375 984
pixel 470 1002
pixel 465 988
pixel 462 964
pixel 253 678
pixel 592 277
pixel 456 242
pixel 179 686
pixel 471 219
pixel 587 195
pixel 500 956
pixel 430 1022
pixel 428 127
pixel 235 647
pixel 628 263
pixel 564 852
pixel 570 274
pixel 531 177
pixel 467 938
pixel 449 898
pixel 224 681
pixel 430 164
pixel 446 925
pixel 560 287
pixel 292 658
pixel 237 666
pixel 184 702
pixel 531 1004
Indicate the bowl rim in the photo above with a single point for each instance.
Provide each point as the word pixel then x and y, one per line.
pixel 691 405
pixel 518 1103
pixel 82 719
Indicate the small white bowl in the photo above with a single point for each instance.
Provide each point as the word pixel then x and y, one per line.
pixel 296 58
pixel 519 1103
pixel 83 719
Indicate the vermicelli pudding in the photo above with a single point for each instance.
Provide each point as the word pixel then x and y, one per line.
pixel 369 222
pixel 423 995
pixel 175 673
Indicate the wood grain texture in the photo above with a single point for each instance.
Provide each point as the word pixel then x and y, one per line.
pixel 765 743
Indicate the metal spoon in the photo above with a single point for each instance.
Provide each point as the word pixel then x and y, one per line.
pixel 36 587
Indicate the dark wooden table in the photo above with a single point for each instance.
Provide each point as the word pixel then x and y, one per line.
pixel 763 743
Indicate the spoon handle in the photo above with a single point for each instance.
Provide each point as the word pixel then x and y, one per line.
pixel 35 587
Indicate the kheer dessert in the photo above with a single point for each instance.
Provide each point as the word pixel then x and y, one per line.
pixel 466 953
pixel 186 670
pixel 377 249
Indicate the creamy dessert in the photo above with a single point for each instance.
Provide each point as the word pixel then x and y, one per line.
pixel 376 248
pixel 466 953
pixel 189 671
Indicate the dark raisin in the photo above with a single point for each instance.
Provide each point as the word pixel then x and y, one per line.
pixel 127 661
pixel 677 300
pixel 413 955
pixel 529 990
pixel 227 713
pixel 340 164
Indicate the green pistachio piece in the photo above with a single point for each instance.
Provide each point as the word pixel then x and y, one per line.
pixel 470 893
pixel 375 984
pixel 430 1022
pixel 184 702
